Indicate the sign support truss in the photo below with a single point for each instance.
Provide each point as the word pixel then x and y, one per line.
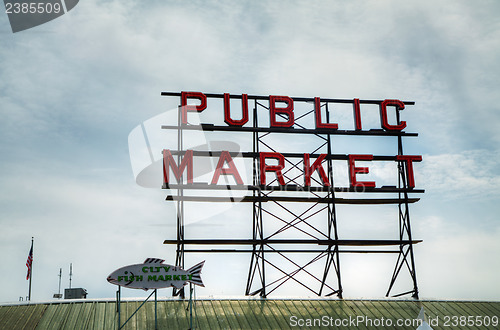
pixel 280 237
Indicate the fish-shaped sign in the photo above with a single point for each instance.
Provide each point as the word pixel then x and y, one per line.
pixel 154 274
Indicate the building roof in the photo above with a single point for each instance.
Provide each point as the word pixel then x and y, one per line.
pixel 249 314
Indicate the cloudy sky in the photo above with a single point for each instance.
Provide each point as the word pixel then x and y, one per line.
pixel 72 90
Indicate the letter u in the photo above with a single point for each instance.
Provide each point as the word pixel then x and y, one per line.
pixel 227 111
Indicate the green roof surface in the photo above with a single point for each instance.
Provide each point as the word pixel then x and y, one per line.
pixel 252 314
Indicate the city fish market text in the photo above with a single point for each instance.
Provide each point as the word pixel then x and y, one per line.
pixel 155 278
pixel 153 274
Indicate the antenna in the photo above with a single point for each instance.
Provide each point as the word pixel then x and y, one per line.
pixel 58 294
pixel 70 274
pixel 60 275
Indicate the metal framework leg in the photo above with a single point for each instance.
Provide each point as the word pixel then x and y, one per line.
pixel 118 305
pixel 179 258
pixel 405 256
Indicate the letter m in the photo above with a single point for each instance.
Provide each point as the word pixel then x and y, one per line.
pixel 169 163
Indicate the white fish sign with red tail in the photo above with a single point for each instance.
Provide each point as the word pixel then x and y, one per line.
pixel 154 274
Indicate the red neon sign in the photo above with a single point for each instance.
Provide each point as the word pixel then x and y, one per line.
pixel 274 110
pixel 353 170
pixel 184 108
pixel 227 112
pixel 225 158
pixel 277 111
pixel 282 119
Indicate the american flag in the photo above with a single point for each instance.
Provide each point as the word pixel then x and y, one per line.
pixel 29 262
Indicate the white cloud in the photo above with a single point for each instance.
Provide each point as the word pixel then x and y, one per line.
pixel 456 261
pixel 71 95
pixel 472 174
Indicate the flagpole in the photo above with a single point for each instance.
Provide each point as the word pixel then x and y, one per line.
pixel 31 273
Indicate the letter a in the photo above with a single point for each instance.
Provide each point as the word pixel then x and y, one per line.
pixel 226 157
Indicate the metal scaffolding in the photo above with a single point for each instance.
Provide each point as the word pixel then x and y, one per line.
pixel 295 229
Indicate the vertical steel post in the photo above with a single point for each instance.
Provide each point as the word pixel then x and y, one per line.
pixel 31 271
pixel 118 307
pixel 404 225
pixel 156 308
pixel 256 265
pixel 190 305
pixel 179 261
pixel 260 222
pixel 333 257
